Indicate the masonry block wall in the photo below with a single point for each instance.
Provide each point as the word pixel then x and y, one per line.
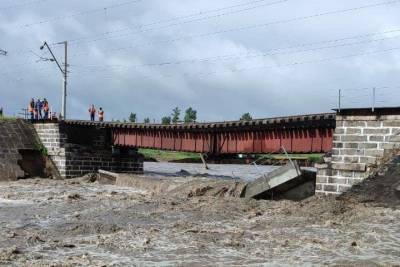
pixel 15 135
pixel 361 142
pixel 77 151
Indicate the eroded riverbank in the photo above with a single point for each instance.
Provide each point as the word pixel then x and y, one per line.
pixel 73 222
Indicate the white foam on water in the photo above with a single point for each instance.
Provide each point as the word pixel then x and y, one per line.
pixel 14 202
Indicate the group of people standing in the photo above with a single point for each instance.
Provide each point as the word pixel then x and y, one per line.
pixel 39 110
pixel 92 112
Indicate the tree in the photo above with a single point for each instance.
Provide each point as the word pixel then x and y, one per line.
pixel 246 117
pixel 166 120
pixel 190 115
pixel 132 117
pixel 176 112
pixel 146 120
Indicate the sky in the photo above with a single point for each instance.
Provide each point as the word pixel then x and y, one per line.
pixel 223 58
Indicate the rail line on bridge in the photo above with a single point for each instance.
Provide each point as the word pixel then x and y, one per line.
pixel 297 134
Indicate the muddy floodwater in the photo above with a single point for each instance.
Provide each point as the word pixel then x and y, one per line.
pixel 80 223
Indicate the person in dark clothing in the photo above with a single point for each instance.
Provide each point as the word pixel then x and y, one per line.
pixel 31 109
pixel 1 112
pixel 38 108
pixel 92 112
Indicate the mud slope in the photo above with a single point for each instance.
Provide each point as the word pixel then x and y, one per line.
pixel 378 190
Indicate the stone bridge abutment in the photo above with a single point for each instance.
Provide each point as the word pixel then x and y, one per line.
pixel 77 151
pixel 363 141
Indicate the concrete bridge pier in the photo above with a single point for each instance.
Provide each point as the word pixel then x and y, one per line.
pixel 77 151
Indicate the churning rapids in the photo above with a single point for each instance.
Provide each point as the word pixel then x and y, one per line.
pixel 81 223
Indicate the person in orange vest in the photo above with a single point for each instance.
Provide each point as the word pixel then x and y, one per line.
pixel 46 109
pixel 92 112
pixel 101 114
pixel 31 109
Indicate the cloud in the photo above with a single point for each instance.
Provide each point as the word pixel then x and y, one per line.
pixel 120 73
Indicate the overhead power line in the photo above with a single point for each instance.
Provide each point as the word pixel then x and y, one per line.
pixel 248 55
pixel 271 52
pixel 24 4
pixel 293 64
pixel 204 35
pixel 81 13
pixel 245 54
pixel 322 60
pixel 28 51
pixel 25 51
pixel 193 15
pixel 249 27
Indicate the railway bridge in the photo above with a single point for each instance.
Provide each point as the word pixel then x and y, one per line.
pixel 79 147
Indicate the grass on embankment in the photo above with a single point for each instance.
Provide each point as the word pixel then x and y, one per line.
pixel 168 156
pixel 173 156
pixel 4 118
pixel 314 158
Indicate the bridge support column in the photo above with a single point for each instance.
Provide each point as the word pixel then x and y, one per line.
pixel 77 151
pixel 363 140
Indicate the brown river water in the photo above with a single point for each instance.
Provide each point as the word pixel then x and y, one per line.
pixel 194 223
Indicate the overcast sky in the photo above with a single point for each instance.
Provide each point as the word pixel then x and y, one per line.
pixel 223 58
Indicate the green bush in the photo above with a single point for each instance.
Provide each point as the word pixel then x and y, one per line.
pixel 41 148
pixel 316 158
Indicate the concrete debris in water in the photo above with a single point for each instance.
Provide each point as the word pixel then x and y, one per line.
pixel 287 182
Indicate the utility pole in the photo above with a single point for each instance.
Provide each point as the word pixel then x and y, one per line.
pixel 340 100
pixel 64 72
pixel 64 95
pixel 373 99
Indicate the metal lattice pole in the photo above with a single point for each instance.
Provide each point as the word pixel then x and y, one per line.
pixel 64 73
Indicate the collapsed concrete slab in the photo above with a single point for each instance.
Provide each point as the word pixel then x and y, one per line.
pixel 287 182
pixel 397 192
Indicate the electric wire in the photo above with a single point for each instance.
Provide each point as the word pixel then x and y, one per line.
pixel 80 13
pixel 255 26
pixel 285 65
pixel 201 13
pixel 25 4
pixel 241 55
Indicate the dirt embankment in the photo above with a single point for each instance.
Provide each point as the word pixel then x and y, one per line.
pixel 380 190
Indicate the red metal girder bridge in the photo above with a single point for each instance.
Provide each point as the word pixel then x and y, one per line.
pixel 297 134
